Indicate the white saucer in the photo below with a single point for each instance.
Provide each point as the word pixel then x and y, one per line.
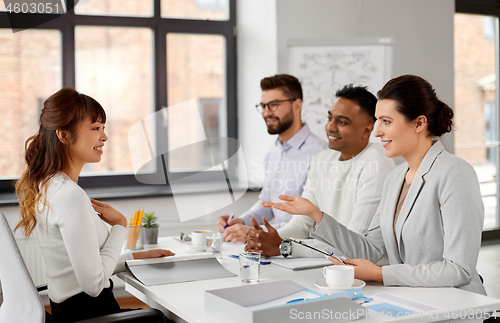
pixel 321 284
pixel 190 245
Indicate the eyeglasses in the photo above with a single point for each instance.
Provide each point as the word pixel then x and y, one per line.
pixel 272 106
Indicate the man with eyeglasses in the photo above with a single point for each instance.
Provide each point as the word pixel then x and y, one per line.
pixel 345 181
pixel 287 160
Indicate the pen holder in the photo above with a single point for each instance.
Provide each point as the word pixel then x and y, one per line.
pixel 135 237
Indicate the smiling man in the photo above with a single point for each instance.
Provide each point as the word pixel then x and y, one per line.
pixel 344 182
pixel 287 160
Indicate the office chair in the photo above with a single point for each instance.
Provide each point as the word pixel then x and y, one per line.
pixel 21 301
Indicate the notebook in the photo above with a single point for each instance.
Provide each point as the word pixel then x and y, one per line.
pixel 301 263
pixel 177 269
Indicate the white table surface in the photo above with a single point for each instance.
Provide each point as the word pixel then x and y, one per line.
pixel 186 300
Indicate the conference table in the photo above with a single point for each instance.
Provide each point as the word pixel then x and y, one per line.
pixel 184 302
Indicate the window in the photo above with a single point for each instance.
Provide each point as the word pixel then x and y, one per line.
pixel 195 9
pixel 114 66
pixel 136 57
pixel 195 70
pixel 131 8
pixel 26 79
pixel 476 108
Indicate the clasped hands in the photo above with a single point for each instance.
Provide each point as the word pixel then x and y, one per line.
pixel 265 243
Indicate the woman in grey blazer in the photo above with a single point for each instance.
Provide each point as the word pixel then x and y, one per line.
pixel 430 219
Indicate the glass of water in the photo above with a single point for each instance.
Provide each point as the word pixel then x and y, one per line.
pixel 214 245
pixel 250 267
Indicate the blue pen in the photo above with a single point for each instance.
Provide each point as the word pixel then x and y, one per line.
pixel 296 300
pixel 331 254
pixel 261 262
pixel 230 218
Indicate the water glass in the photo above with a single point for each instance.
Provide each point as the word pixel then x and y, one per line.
pixel 250 267
pixel 214 245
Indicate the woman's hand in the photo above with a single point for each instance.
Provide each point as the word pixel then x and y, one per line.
pixel 363 269
pixel 108 214
pixel 154 253
pixel 296 205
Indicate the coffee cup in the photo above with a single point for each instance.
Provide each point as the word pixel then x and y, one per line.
pixel 338 276
pixel 198 237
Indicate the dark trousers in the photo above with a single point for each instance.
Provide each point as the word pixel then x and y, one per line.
pixel 83 306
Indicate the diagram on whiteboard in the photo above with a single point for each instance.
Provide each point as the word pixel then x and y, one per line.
pixel 322 70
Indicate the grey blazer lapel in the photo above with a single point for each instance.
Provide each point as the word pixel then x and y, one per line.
pixel 415 188
pixel 391 243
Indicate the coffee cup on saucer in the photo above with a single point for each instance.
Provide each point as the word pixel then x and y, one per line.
pixel 198 237
pixel 338 276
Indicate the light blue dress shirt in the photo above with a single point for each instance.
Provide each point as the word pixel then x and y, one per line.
pixel 285 167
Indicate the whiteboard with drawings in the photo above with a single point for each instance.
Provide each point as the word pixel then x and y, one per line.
pixel 325 66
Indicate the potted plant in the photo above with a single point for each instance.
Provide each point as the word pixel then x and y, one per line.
pixel 150 228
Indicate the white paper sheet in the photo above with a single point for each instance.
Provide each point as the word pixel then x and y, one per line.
pixel 391 307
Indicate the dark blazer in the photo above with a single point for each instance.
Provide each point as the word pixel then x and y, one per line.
pixel 438 230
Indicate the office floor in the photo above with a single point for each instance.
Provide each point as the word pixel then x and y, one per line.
pixel 125 302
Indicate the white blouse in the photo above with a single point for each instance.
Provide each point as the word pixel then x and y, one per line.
pixel 79 250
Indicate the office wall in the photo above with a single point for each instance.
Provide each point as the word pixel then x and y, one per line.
pixel 257 56
pixel 422 31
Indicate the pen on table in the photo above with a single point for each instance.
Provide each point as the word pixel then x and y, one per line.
pixel 261 262
pixel 327 252
pixel 296 300
pixel 227 223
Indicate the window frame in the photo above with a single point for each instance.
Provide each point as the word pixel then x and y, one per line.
pixel 160 27
pixel 487 8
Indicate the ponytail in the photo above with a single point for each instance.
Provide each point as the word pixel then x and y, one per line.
pixel 29 186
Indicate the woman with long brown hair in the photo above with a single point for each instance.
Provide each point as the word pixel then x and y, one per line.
pixel 80 252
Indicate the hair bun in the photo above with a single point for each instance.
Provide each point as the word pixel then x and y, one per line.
pixel 415 97
pixel 443 120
